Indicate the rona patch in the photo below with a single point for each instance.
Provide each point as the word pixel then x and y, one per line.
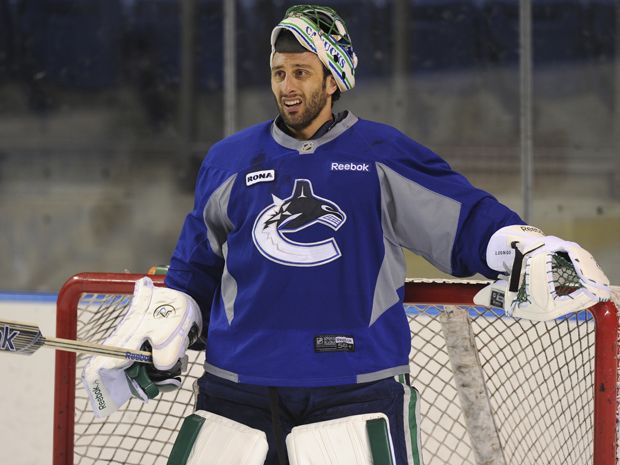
pixel 260 176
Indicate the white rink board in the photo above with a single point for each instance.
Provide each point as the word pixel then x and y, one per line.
pixel 27 390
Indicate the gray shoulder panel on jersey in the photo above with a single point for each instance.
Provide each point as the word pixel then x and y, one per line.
pixel 310 146
pixel 216 217
pixel 418 218
pixel 218 226
pixel 228 287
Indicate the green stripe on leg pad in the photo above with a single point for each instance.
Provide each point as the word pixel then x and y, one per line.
pixel 379 439
pixel 185 440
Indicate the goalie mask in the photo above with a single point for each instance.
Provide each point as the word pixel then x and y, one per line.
pixel 321 31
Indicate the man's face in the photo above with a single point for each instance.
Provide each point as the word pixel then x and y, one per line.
pixel 301 90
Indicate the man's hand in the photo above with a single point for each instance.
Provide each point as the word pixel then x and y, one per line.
pixel 547 277
pixel 164 321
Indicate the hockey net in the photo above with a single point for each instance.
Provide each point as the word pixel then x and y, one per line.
pixel 494 389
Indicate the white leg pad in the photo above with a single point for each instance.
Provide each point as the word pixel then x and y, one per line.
pixel 337 442
pixel 218 441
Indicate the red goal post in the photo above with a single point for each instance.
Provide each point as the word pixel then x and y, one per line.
pixel 493 332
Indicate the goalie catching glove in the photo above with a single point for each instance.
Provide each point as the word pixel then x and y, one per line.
pixel 161 320
pixel 547 277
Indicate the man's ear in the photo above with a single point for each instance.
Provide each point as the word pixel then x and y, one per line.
pixel 331 85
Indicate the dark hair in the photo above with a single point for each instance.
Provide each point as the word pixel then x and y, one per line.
pixel 287 43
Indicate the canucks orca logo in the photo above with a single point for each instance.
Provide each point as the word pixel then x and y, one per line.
pixel 299 211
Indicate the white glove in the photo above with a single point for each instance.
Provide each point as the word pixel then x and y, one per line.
pixel 539 278
pixel 163 320
pixel 501 248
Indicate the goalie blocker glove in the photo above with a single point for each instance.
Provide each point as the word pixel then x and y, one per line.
pixel 164 321
pixel 544 278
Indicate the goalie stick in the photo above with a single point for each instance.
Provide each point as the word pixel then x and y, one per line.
pixel 23 338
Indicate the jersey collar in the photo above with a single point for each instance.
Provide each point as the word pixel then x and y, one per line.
pixel 310 146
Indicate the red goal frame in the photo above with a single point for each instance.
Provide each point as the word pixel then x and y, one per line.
pixel 605 364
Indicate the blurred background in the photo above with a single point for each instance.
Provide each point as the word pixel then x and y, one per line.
pixel 108 106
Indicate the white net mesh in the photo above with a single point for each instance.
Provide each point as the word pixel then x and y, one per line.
pixel 138 433
pixel 538 376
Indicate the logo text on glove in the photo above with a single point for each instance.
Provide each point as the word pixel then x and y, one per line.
pixel 138 357
pixel 164 311
pixel 99 396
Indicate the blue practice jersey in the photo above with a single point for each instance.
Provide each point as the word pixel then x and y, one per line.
pixel 294 249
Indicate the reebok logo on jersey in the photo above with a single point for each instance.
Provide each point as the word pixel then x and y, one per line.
pixel 350 167
pixel 260 176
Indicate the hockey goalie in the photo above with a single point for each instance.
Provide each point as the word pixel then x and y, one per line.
pixel 290 272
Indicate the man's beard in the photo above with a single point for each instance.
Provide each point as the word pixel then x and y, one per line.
pixel 313 107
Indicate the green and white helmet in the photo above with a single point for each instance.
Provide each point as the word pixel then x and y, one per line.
pixel 320 30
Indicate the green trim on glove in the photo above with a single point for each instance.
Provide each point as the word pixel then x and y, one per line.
pixel 138 373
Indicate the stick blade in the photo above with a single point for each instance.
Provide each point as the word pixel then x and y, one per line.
pixel 19 338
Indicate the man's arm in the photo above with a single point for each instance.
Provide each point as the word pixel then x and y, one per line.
pixel 436 212
pixel 197 262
